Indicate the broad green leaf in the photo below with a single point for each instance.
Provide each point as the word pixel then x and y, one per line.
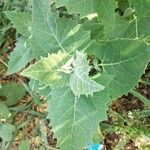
pixel 83 7
pixel 49 70
pixel 115 26
pixel 142 13
pixel 6 131
pixel 21 21
pixel 80 82
pixel 4 111
pixel 25 145
pixel 107 13
pixel 124 60
pixel 74 119
pixel 13 92
pixel 50 33
pixel 21 55
pixel 121 27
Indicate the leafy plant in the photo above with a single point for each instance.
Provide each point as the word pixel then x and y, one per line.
pixel 85 70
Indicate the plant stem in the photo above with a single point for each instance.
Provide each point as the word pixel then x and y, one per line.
pixel 140 97
pixel 34 113
pixel 3 63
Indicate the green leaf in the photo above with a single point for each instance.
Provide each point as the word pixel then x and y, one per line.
pixel 25 145
pixel 6 131
pixel 50 33
pixel 83 7
pixel 21 21
pixel 141 7
pixel 20 56
pixel 142 13
pixel 4 112
pixel 107 13
pixel 16 91
pixel 124 60
pixel 80 82
pixel 49 70
pixel 74 117
pixel 121 27
pixel 115 26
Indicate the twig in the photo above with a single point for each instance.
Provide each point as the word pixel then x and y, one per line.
pixel 3 63
pixel 140 97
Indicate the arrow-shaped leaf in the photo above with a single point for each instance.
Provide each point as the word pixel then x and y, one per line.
pixel 80 81
pixel 50 33
pixel 48 70
pixel 75 119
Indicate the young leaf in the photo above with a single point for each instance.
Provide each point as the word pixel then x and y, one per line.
pixel 50 33
pixel 16 91
pixel 124 60
pixel 83 7
pixel 20 56
pixel 21 21
pixel 73 117
pixel 6 131
pixel 48 70
pixel 80 82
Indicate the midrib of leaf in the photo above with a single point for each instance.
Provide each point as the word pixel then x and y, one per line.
pixel 74 118
pixel 124 29
pixel 74 122
pixel 136 27
pixel 49 26
pixel 118 63
pixel 82 79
